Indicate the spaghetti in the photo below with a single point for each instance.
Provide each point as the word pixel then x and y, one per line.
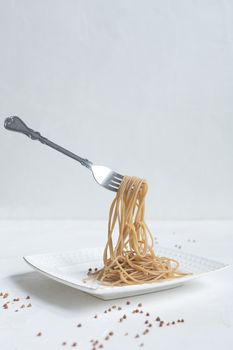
pixel 132 260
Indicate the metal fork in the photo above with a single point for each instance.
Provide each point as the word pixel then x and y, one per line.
pixel 104 176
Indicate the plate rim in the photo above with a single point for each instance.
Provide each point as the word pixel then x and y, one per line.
pixel 103 290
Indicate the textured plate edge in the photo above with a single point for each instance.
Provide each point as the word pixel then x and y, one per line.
pixel 109 293
pixel 105 290
pixel 81 287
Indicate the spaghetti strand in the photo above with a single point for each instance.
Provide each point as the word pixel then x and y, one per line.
pixel 132 259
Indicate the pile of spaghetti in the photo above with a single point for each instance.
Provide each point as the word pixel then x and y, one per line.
pixel 132 260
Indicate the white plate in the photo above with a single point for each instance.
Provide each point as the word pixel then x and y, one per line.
pixel 70 268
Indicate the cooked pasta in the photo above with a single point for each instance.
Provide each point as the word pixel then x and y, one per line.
pixel 131 259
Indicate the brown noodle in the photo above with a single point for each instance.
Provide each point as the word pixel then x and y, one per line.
pixel 132 259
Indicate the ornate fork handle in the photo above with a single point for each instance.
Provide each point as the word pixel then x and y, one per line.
pixel 16 124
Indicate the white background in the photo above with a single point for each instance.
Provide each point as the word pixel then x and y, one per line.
pixel 144 87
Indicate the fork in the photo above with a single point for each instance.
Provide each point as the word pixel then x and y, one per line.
pixel 104 176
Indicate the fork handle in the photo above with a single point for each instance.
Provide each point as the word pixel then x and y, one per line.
pixel 16 124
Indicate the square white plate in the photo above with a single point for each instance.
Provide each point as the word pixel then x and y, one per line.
pixel 71 268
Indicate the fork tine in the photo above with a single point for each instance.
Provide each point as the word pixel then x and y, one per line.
pixel 116 186
pixel 113 184
pixel 117 181
pixel 110 187
pixel 117 175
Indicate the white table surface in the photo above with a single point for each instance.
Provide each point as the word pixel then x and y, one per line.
pixel 206 305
